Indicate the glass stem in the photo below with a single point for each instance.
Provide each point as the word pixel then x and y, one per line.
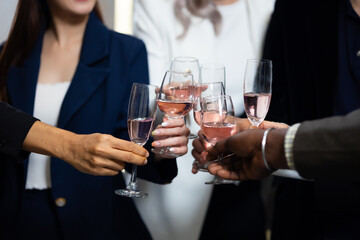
pixel 132 184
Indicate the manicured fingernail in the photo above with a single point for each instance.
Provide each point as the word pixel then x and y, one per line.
pixel 157 144
pixel 172 149
pixel 155 132
pixel 164 124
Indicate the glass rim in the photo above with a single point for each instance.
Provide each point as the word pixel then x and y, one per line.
pixel 221 96
pixel 145 84
pixel 185 59
pixel 208 83
pixel 177 72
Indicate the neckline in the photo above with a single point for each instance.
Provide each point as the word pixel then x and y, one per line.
pixel 54 84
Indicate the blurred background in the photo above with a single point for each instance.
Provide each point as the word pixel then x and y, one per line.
pixel 117 15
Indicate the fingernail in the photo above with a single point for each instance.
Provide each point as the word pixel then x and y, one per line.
pixel 164 124
pixel 145 162
pixel 147 154
pixel 157 144
pixel 155 132
pixel 172 149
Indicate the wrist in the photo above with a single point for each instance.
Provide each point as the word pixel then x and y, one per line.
pixel 275 154
pixel 66 145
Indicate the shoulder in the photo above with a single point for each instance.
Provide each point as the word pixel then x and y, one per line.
pixel 154 6
pixel 262 5
pixel 130 44
pixel 156 12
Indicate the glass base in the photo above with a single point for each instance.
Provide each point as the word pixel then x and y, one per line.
pixel 200 167
pixel 131 193
pixel 218 181
pixel 165 152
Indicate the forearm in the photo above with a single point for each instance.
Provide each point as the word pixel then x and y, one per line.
pixel 48 140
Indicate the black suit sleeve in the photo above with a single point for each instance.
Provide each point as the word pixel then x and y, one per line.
pixel 329 148
pixel 14 126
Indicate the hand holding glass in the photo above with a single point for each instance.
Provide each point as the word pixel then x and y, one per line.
pixel 191 66
pixel 141 116
pixel 218 123
pixel 175 100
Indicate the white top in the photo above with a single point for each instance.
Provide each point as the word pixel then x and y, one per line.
pixel 48 100
pixel 179 208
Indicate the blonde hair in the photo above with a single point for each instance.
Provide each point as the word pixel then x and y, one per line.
pixel 200 8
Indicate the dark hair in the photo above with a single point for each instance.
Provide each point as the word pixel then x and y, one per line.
pixel 199 8
pixel 30 17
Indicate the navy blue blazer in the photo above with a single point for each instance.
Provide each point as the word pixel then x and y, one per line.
pixel 96 101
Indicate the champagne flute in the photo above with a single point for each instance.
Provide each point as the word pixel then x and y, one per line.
pixel 257 89
pixel 188 65
pixel 205 89
pixel 218 123
pixel 141 116
pixel 175 100
pixel 213 72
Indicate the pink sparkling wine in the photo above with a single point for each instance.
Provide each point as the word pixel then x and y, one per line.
pixel 217 131
pixel 197 117
pixel 256 106
pixel 174 109
pixel 139 129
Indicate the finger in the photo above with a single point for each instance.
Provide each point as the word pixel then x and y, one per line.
pixel 111 164
pixel 170 142
pixel 122 155
pixel 195 167
pixel 129 157
pixel 219 148
pixel 202 158
pixel 226 174
pixel 170 123
pixel 196 155
pixel 269 124
pixel 242 124
pixel 101 172
pixel 198 146
pixel 179 150
pixel 201 137
pixel 214 168
pixel 130 147
pixel 194 170
pixel 174 131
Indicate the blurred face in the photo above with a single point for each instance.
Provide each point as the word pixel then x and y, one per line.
pixel 72 7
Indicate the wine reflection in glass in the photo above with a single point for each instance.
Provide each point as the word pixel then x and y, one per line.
pixel 257 89
pixel 218 123
pixel 141 116
pixel 188 65
pixel 175 100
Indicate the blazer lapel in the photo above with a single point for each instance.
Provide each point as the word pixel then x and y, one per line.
pixel 323 43
pixel 91 71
